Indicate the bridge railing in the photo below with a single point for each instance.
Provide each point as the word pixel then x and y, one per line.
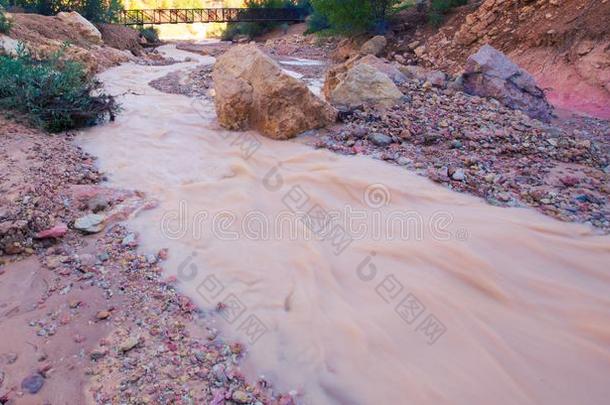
pixel 208 15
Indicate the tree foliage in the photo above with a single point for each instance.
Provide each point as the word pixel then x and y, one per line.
pixel 5 24
pixel 355 16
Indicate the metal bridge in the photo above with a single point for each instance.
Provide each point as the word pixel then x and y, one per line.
pixel 209 15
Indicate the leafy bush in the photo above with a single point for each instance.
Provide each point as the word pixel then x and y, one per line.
pixel 151 34
pixel 356 16
pixel 317 22
pixel 54 94
pixel 5 24
pixel 438 9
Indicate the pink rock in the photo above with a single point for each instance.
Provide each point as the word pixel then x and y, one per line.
pixel 57 231
pixel 569 181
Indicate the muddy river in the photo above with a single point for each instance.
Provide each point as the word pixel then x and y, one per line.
pixel 352 281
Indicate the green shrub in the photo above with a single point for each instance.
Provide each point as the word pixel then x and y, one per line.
pixel 438 9
pixel 5 24
pixel 317 22
pixel 151 34
pixel 356 16
pixel 54 94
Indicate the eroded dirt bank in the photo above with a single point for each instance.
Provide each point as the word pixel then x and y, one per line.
pixel 563 43
pixel 417 295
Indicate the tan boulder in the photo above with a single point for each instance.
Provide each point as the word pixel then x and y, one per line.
pixel 390 69
pixel 354 84
pixel 8 46
pixel 374 46
pixel 82 25
pixel 253 92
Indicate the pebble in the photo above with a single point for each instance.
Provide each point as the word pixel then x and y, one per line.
pixel 129 344
pixel 240 397
pixel 91 223
pixel 456 144
pixel 403 161
pixel 57 231
pixel 129 240
pixel 380 139
pixel 101 315
pixel 32 383
pixel 98 353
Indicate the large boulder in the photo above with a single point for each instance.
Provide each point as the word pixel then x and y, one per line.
pixel 490 73
pixel 253 92
pixel 8 46
pixel 374 46
pixel 82 26
pixel 355 84
pixel 384 66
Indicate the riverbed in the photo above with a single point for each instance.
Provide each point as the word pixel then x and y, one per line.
pixel 352 281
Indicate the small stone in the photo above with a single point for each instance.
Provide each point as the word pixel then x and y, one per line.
pixel 129 344
pixel 458 175
pixel 380 139
pixel 456 144
pixel 240 397
pixel 98 353
pixel 403 161
pixel 32 383
pixel 57 231
pixel 44 369
pixel 91 223
pixel 405 134
pixel 358 132
pixel 102 315
pixel 54 262
pixel 129 240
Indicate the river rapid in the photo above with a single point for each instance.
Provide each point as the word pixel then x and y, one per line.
pixel 353 281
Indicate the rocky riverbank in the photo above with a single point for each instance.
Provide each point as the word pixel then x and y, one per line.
pixel 476 145
pixel 81 306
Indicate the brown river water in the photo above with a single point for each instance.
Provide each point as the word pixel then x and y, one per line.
pixel 352 281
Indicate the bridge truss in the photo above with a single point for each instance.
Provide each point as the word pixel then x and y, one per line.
pixel 209 15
